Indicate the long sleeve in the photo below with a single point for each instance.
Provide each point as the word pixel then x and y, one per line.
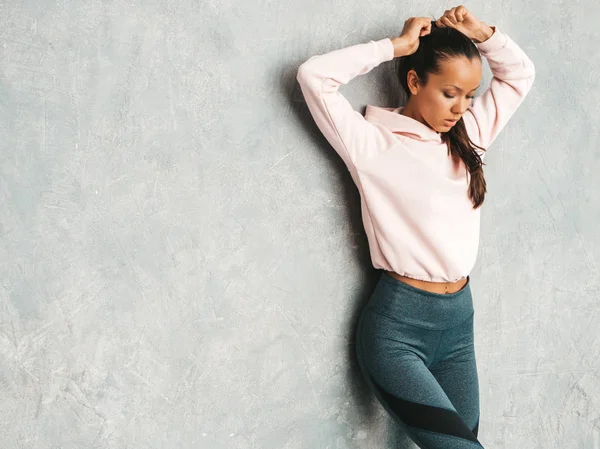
pixel 320 77
pixel 513 74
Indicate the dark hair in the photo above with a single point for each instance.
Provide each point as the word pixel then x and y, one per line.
pixel 440 44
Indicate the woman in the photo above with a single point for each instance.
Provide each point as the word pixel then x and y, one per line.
pixel 419 172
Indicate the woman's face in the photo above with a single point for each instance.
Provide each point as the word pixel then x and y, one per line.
pixel 448 94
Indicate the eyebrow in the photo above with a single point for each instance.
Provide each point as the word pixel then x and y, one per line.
pixel 454 85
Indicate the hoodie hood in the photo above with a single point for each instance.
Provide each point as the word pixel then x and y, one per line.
pixel 401 124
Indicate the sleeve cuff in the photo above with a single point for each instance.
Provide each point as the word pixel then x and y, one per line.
pixel 494 42
pixel 387 48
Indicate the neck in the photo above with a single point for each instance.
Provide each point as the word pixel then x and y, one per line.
pixel 411 111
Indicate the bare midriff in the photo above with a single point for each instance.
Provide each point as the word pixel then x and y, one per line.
pixel 431 286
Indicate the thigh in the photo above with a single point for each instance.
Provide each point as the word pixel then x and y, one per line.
pixel 457 375
pixel 408 390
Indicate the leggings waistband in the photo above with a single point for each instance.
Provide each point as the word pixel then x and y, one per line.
pixel 403 302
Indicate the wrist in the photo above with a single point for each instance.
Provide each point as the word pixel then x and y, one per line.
pixel 399 47
pixel 483 34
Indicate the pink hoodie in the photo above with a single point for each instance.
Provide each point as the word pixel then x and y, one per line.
pixel 417 215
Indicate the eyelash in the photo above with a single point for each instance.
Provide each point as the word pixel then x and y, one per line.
pixel 447 96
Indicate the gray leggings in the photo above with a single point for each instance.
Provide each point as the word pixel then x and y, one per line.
pixel 416 351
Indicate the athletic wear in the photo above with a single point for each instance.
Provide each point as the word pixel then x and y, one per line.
pixel 416 351
pixel 415 208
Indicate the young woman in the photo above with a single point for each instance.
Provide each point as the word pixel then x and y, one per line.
pixel 419 171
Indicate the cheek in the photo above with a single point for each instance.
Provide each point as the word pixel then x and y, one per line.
pixel 438 106
pixel 446 102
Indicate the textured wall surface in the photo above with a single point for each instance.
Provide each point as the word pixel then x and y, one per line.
pixel 182 257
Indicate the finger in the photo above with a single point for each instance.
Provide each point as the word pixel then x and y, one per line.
pixel 426 25
pixel 426 29
pixel 452 16
pixel 446 21
pixel 460 13
pixel 447 16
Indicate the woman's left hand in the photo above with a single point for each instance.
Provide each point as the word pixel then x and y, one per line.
pixel 463 20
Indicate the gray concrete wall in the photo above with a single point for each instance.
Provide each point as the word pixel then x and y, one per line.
pixel 182 257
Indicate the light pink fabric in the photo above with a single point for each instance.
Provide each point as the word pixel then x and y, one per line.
pixel 417 216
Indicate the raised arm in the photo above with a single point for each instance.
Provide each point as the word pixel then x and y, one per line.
pixel 513 74
pixel 320 78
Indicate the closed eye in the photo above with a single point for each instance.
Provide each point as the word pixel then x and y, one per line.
pixel 448 96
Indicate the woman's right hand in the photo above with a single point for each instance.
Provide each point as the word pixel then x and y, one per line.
pixel 408 42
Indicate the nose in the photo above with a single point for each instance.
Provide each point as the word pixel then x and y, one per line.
pixel 462 107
